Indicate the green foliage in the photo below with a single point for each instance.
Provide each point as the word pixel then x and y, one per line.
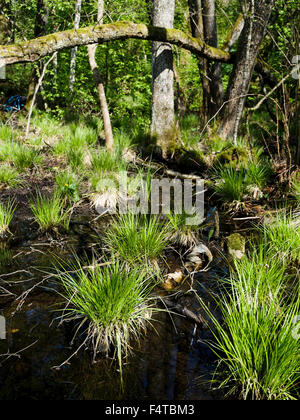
pixel 23 157
pixel 137 237
pixel 68 185
pixel 182 233
pixel 256 345
pixel 234 180
pixel 103 161
pixel 6 133
pixel 49 211
pixel 113 301
pixel 296 189
pixel 7 211
pixel 283 233
pixel 230 185
pixel 9 176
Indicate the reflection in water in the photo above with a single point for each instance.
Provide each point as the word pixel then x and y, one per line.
pixel 165 365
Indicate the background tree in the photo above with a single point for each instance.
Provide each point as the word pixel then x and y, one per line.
pixel 100 86
pixel 256 15
pixel 74 50
pixel 163 117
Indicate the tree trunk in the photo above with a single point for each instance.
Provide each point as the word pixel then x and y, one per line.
pixel 234 34
pixel 163 117
pixel 256 21
pixel 74 50
pixel 41 21
pixel 109 140
pixel 214 70
pixel 196 22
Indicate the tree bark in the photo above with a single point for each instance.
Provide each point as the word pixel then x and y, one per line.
pixel 197 30
pixel 256 22
pixel 35 49
pixel 163 116
pixel 234 34
pixel 109 140
pixel 214 70
pixel 74 50
pixel 41 21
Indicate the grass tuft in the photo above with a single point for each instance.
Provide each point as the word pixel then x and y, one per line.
pixel 6 214
pixel 256 343
pixel 114 302
pixel 137 237
pixel 49 211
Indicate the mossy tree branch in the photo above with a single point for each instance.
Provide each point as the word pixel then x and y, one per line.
pixel 33 50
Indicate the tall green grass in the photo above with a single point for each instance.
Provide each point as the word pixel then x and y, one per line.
pixel 49 211
pixel 232 184
pixel 283 232
pixel 112 301
pixel 6 133
pixel 182 233
pixel 296 189
pixel 103 161
pixel 9 176
pixel 21 156
pixel 7 211
pixel 137 237
pixel 255 343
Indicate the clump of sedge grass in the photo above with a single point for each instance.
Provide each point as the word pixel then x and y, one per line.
pixel 256 343
pixel 137 237
pixel 230 185
pixel 6 133
pixel 182 233
pixel 233 183
pixel 103 161
pixel 25 157
pixel 283 232
pixel 49 211
pixel 9 176
pixel 6 214
pixel 113 301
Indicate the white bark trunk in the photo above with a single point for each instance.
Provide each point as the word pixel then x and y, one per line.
pixel 109 140
pixel 163 118
pixel 74 50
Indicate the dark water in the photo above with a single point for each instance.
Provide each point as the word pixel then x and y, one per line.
pixel 166 365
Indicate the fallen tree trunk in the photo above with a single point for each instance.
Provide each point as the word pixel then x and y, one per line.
pixel 33 50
